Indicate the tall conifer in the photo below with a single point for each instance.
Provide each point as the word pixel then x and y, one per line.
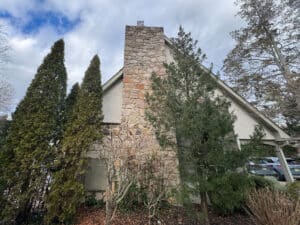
pixel 184 102
pixel 71 102
pixel 34 134
pixel 82 129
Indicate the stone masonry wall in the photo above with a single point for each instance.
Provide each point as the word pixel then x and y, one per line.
pixel 144 54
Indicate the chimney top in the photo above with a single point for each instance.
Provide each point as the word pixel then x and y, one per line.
pixel 140 23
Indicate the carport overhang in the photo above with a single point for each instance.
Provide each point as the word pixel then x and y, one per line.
pixel 278 145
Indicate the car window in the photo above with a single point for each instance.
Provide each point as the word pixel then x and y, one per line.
pixel 290 161
pixel 269 160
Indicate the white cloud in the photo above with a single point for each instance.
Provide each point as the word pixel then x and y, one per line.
pixel 101 31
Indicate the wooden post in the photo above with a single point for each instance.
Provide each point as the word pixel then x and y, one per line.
pixel 286 170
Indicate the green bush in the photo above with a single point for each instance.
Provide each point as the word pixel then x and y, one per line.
pixel 91 201
pixel 293 189
pixel 229 192
pixel 60 211
pixel 36 218
pixel 268 182
pixel 261 182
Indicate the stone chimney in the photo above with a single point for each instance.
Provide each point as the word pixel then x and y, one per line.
pixel 144 54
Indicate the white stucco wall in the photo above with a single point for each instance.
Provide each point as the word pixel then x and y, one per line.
pixel 112 103
pixel 245 122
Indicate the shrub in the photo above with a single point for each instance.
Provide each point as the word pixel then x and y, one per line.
pixel 60 211
pixel 272 207
pixel 91 201
pixel 261 182
pixel 229 192
pixel 293 190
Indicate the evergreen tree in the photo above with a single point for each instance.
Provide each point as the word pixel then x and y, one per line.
pixel 83 128
pixel 4 160
pixel 71 102
pixel 33 136
pixel 184 103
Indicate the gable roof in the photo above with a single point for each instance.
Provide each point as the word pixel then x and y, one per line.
pixel 106 86
pixel 227 91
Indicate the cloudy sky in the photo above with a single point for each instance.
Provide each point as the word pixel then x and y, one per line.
pixel 97 27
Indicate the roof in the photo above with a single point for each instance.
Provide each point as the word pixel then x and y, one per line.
pixel 226 90
pixel 240 100
pixel 112 80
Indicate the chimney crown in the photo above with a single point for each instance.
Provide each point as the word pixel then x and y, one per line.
pixel 140 23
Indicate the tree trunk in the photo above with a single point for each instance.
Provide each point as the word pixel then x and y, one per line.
pixel 283 66
pixel 149 216
pixel 23 216
pixel 109 211
pixel 23 213
pixel 204 211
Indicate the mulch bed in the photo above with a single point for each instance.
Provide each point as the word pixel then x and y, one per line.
pixel 172 216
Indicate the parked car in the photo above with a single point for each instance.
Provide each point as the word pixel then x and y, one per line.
pixel 256 166
pixel 293 164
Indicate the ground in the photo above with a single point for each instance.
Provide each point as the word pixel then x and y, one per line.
pixel 173 216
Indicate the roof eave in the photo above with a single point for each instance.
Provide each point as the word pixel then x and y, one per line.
pixel 112 80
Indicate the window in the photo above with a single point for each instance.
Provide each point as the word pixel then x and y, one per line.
pixel 95 176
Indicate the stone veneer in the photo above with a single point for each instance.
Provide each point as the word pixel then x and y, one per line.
pixel 145 53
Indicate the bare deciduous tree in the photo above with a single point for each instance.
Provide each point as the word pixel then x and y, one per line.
pixel 151 178
pixel 271 207
pixel 117 153
pixel 5 95
pixel 264 66
pixel 129 160
pixel 5 88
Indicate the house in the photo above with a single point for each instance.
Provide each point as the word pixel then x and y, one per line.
pixel 146 49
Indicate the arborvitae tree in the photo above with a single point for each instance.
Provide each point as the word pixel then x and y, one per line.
pixel 33 137
pixel 71 102
pixel 83 128
pixel 70 105
pixel 184 103
pixel 4 160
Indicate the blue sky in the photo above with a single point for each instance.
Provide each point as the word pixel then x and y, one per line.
pixel 97 26
pixel 38 19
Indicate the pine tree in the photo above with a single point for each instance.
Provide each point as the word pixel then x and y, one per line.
pixel 33 136
pixel 184 103
pixel 83 128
